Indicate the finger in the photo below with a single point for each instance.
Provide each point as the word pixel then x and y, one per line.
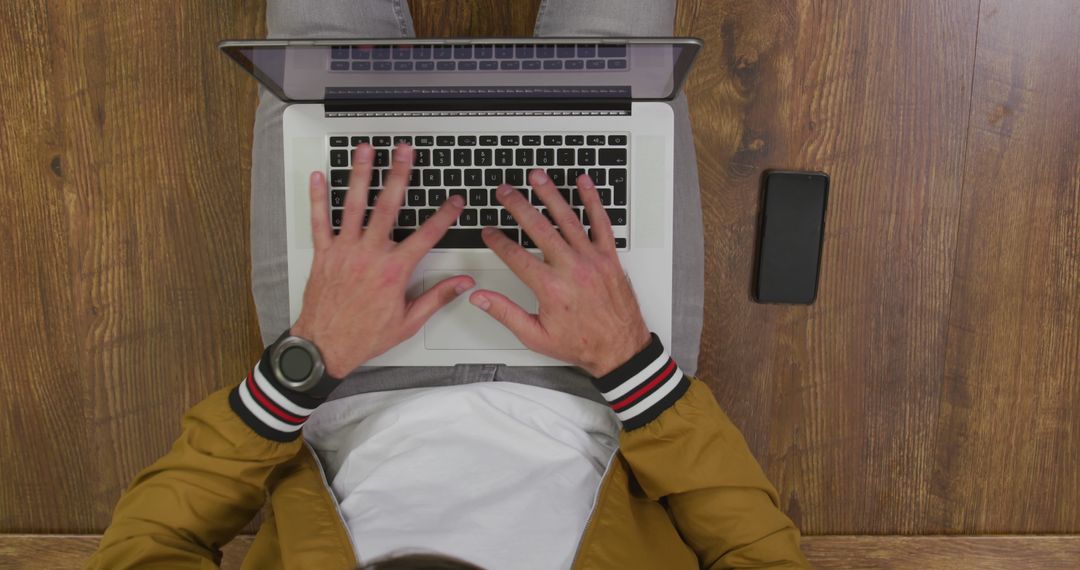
pixel 599 223
pixel 445 291
pixel 565 216
pixel 320 212
pixel 393 194
pixel 543 234
pixel 356 197
pixel 525 325
pixel 527 267
pixel 420 242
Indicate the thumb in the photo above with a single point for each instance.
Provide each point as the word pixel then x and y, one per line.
pixel 523 324
pixel 439 296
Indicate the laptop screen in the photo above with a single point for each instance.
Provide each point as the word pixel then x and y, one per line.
pixel 314 71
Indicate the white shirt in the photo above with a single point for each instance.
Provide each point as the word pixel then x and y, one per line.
pixel 500 474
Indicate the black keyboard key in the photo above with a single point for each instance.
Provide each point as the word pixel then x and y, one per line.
pixel 489 217
pixel 436 196
pixel 523 156
pixel 526 242
pixel 415 197
pixel 406 218
pixel 482 51
pixel 504 157
pixel 444 65
pixel 373 196
pixel 494 201
pixel 586 156
pixel 530 140
pixel 478 197
pixel 594 64
pixel 509 140
pixel 545 157
pixel 466 140
pixel 611 50
pixel 360 52
pixel 565 156
pixel 547 214
pixel 462 157
pixel 515 177
pixel 380 52
pixel 403 66
pixel 456 238
pixel 339 141
pixel 380 141
pixel 441 157
pixel 482 157
pixel 505 219
pixel 425 214
pixel 489 65
pixel 442 52
pixel 613 156
pixel 425 65
pixel 620 243
pixel 575 64
pixel 402 52
pixel 616 64
pixel 401 234
pixel 552 140
pixel 598 176
pixel 605 196
pixel 339 177
pixel 382 157
pixel 617 177
pixel 466 65
pixel 402 139
pixel 586 50
pixel 444 141
pixel 339 158
pixel 531 64
pixel 595 140
pixel 577 201
pixel 616 140
pixel 620 196
pixel 572 175
pixel 617 216
pixel 432 177
pixel 383 66
pixel 414 177
pixel 337 198
pixel 545 50
pixel 463 52
pixel 357 141
pixel 536 201
pixel 489 140
pixel 474 177
pixel 509 65
pixel 468 217
pixel 575 140
pixel 510 233
pixel 552 64
pixel 565 51
pixel 493 176
pixel 335 216
pixel 422 52
pixel 504 51
pixel 565 193
pixel 460 192
pixel 425 140
pixel 422 157
pixel 557 175
pixel 339 66
pixel 452 177
pixel 523 51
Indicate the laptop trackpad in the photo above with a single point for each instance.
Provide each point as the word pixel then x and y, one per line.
pixel 461 326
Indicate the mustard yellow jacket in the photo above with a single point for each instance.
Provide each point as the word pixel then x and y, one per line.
pixel 682 492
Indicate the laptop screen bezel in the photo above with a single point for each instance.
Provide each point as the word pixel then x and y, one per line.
pixel 689 49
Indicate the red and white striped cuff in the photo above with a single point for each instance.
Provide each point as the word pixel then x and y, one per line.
pixel 269 408
pixel 644 387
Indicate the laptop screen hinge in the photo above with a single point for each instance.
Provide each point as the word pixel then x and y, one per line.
pixel 476 101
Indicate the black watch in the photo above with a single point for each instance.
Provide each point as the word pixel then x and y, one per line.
pixel 297 364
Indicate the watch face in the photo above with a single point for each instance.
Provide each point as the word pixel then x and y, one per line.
pixel 296 363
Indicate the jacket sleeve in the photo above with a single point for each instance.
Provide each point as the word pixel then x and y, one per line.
pixel 178 512
pixel 683 450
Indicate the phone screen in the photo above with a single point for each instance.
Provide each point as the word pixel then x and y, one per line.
pixel 789 247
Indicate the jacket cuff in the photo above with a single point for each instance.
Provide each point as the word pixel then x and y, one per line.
pixel 644 387
pixel 268 407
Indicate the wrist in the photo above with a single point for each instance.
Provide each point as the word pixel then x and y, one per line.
pixel 331 363
pixel 640 389
pixel 620 355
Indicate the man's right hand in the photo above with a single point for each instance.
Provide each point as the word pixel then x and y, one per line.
pixel 588 315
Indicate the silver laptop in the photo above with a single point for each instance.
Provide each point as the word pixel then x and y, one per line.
pixel 481 112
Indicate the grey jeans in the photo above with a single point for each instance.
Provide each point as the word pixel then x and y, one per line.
pixel 391 19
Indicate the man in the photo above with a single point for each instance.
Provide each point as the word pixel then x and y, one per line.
pixel 621 462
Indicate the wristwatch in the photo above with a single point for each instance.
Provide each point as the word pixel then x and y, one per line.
pixel 297 364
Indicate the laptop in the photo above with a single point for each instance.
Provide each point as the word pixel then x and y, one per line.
pixel 481 112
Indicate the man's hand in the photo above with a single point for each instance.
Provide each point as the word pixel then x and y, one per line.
pixel 354 301
pixel 588 315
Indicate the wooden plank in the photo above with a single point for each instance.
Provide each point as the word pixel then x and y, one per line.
pixel 59 552
pixel 1010 412
pixel 839 399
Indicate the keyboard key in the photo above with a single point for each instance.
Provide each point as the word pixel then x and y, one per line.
pixel 367 216
pixel 474 177
pixel 509 140
pixel 335 216
pixel 452 177
pixel 530 140
pixel 611 50
pixel 482 157
pixel 620 242
pixel 339 158
pixel 382 157
pixel 504 51
pixel 444 65
pixel 617 177
pixel 545 157
pixel 595 140
pixel 523 156
pixel 505 219
pixel 616 64
pixel 509 65
pixel 422 52
pixel 557 175
pixel 594 64
pixel 565 156
pixel 402 139
pixel 416 197
pixel 406 218
pixel 425 214
pixel 444 141
pixel 460 192
pixel 552 140
pixel 586 51
pixel 613 156
pixel 489 217
pixel 380 141
pixel 565 193
pixel 361 52
pixel 466 66
pixel 526 242
pixel 401 234
pixel 620 196
pixel 504 157
pixel 414 177
pixel 441 157
pixel 462 157
pixel 442 52
pixel 547 214
pixel 432 177
pixel 617 216
pixel 616 140
pixel 586 156
pixel 339 66
pixel 565 51
pixel 531 64
pixel 489 140
pixel 494 201
pixel 511 233
pixel 482 51
pixel 339 177
pixel 425 65
pixel 575 200
pixel 598 176
pixel 545 50
pixel 489 65
pixel 357 141
pixel 575 64
pixel 425 140
pixel 572 174
pixel 466 140
pixel 461 239
pixel 337 198
pixel 372 197
pixel 605 196
pixel 422 157
pixel 478 197
pixel 436 196
pixel 523 51
pixel 463 52
pixel 493 176
pixel 383 66
pixel 515 176
pixel 468 217
pixel 403 66
pixel 553 64
pixel 402 52
pixel 339 141
pixel 575 140
pixel 536 201
pixel 380 52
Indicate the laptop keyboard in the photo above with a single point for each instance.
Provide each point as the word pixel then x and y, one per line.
pixel 480 57
pixel 473 165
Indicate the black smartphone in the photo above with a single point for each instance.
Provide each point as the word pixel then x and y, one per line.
pixel 792 225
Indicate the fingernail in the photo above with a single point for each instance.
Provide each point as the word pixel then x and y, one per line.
pixel 457 201
pixel 316 176
pixel 481 301
pixel 462 287
pixel 505 190
pixel 364 153
pixel 540 176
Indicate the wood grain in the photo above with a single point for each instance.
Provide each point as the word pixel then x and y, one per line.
pixel 60 552
pixel 1010 412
